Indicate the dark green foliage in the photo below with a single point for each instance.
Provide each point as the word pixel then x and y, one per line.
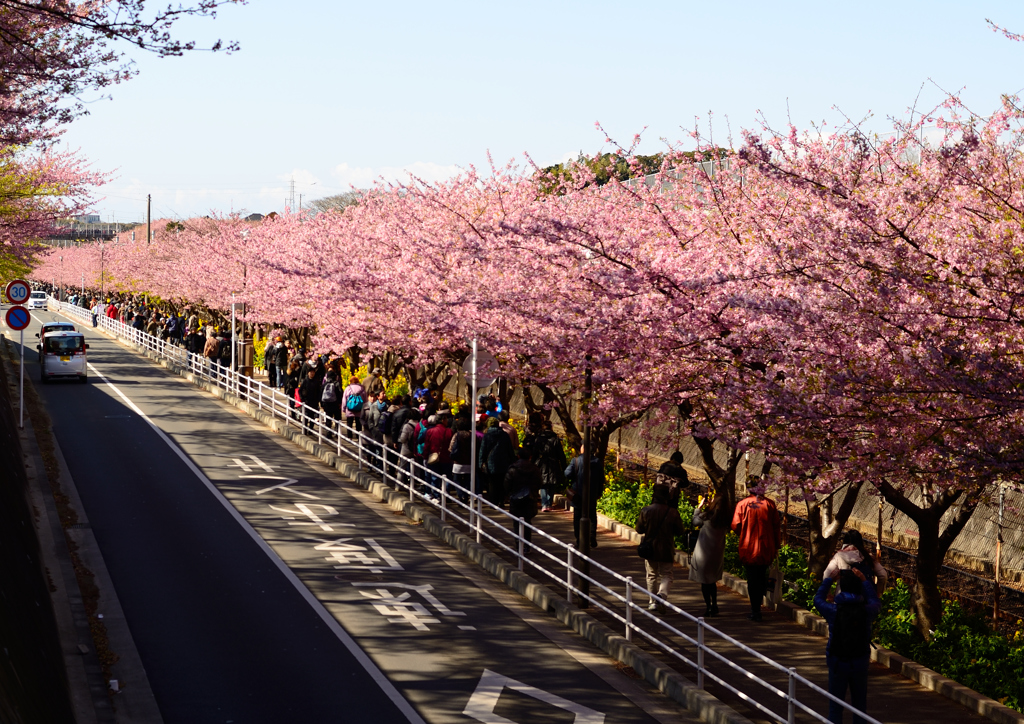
pixel 623 500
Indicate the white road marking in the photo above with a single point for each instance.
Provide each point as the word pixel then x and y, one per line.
pixel 425 591
pixel 282 486
pixel 481 705
pixel 304 510
pixel 240 464
pixel 345 553
pixel 340 633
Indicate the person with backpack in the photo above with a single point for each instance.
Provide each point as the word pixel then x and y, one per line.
pixel 330 399
pixel 547 453
pixel 352 402
pixel 373 413
pixel 495 456
pixel 847 653
pixel 854 554
pixel 522 484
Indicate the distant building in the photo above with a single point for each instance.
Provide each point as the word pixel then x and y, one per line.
pixel 88 218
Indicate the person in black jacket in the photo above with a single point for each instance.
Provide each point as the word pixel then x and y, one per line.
pixel 495 456
pixel 281 361
pixel 547 454
pixel 310 392
pixel 574 476
pixel 522 484
pixel 660 520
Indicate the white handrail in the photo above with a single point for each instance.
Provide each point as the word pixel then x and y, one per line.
pixel 392 466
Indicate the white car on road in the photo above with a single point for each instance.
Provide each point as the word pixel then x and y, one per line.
pixel 37 300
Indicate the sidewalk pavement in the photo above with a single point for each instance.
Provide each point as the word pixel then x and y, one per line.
pixel 891 697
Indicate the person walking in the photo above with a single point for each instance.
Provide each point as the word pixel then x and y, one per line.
pixel 547 453
pixel 281 362
pixel 574 476
pixel 660 522
pixel 848 650
pixel 495 456
pixel 461 452
pixel 707 564
pixel 373 384
pixel 854 554
pixel 329 399
pixel 211 350
pixel 436 444
pixel 352 402
pixel 310 393
pixel 522 484
pixel 756 522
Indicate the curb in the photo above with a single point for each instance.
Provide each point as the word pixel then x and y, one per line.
pixel 678 688
pixel 921 675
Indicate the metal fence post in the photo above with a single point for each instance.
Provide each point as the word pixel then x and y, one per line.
pixel 412 479
pixel 359 438
pixel 444 498
pixel 569 597
pixel 522 541
pixel 700 653
pixel 791 698
pixel 479 517
pixel 629 610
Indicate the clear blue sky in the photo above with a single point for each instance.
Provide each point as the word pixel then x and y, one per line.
pixel 338 93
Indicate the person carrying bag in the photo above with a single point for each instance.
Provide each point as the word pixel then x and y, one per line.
pixel 659 523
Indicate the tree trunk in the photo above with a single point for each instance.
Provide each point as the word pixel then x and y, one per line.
pixel 555 401
pixel 932 545
pixel 824 537
pixel 723 479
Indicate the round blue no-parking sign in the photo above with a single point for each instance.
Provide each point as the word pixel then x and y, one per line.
pixel 18 318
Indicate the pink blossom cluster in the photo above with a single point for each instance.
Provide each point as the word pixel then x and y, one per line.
pixel 849 304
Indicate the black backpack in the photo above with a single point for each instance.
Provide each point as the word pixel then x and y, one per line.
pixel 851 637
pixel 384 426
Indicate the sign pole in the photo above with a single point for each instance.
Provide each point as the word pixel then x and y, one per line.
pixel 21 382
pixel 474 507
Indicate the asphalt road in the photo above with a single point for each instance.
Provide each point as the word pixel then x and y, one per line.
pixel 260 587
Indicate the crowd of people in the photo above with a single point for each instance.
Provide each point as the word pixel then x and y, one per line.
pixel 524 474
pixel 857 575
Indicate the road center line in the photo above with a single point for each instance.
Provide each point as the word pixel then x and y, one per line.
pixel 371 668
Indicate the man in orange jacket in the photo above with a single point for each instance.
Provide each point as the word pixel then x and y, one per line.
pixel 756 522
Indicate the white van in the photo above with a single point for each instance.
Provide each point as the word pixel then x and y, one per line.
pixel 37 300
pixel 63 355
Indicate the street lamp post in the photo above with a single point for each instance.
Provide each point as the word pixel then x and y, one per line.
pixel 586 491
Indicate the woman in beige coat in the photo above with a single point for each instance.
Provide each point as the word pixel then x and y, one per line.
pixel 708 560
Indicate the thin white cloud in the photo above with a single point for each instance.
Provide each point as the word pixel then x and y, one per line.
pixel 363 177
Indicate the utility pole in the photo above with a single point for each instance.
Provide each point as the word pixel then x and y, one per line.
pixel 291 194
pixel 149 235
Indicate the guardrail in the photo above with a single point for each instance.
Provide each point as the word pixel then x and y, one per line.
pixel 508 533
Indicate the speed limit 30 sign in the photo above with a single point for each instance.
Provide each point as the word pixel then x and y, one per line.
pixel 18 291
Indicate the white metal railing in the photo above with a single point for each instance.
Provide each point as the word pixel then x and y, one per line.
pixel 504 531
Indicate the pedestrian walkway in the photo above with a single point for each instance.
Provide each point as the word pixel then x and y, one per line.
pixel 891 698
